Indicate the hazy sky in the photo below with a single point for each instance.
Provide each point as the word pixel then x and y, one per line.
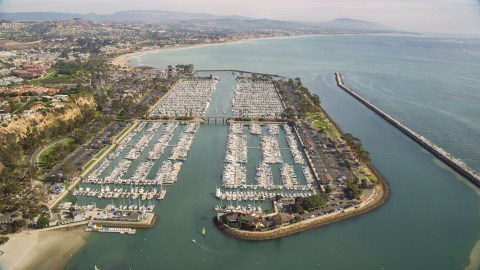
pixel 426 16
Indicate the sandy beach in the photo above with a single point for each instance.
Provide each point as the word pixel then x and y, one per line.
pixel 122 60
pixel 41 249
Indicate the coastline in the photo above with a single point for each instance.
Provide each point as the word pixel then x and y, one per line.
pixel 41 249
pixel 474 258
pixel 122 60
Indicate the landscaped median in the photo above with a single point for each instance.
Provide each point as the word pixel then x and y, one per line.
pixel 55 153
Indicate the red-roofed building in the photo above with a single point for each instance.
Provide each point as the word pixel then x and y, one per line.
pixel 52 91
pixel 56 104
pixel 36 107
pixel 23 73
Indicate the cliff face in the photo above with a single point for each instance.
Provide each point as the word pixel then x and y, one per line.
pixel 41 121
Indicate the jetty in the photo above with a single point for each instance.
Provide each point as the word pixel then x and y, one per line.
pixel 438 152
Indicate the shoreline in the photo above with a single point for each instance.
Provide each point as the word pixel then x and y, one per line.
pixel 122 60
pixel 41 249
pixel 379 198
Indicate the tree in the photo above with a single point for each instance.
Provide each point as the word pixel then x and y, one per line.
pixel 3 240
pixel 316 100
pixel 32 171
pixel 297 208
pixel 277 220
pixel 363 156
pixel 42 222
pixel 69 170
pixel 9 229
pixel 313 201
pixel 116 105
pixel 364 184
pixel 32 213
pixel 278 197
pixel 352 191
pixel 64 54
pixel 19 224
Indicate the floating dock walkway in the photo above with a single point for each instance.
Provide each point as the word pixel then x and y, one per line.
pixel 453 163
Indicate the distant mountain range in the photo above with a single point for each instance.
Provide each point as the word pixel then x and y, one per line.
pixel 166 17
pixel 148 16
pixel 346 23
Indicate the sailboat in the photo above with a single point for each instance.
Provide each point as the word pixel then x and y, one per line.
pixel 203 231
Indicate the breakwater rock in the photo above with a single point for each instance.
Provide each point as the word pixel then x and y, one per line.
pixel 381 195
pixel 438 152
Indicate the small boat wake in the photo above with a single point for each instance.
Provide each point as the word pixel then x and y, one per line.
pixel 208 249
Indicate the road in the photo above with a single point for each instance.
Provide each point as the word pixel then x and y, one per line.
pixel 85 152
pixel 36 155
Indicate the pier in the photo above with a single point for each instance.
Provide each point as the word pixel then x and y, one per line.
pixel 446 158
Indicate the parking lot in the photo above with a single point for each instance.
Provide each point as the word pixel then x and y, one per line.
pixel 327 153
pixel 83 154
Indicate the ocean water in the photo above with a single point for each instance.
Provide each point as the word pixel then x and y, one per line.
pixel 430 221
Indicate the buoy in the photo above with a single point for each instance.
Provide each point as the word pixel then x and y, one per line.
pixel 148 258
pixel 203 259
pixel 141 250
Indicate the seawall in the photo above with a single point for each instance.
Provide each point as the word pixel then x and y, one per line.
pixel 239 71
pixel 380 197
pixel 446 158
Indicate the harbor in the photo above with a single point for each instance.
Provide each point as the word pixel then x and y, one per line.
pixel 411 172
pixel 136 173
pixel 256 99
pixel 238 192
pixel 128 184
pixel 190 97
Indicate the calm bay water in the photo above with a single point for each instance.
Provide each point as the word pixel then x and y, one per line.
pixel 431 219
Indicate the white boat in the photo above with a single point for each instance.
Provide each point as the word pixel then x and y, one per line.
pixel 193 240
